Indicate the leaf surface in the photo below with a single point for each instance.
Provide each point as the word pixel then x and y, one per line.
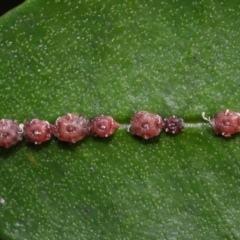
pixel 115 58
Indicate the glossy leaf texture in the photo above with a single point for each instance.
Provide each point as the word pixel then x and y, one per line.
pixel 116 58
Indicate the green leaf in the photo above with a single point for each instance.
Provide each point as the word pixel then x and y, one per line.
pixel 117 57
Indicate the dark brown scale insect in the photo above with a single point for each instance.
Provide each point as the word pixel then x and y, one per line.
pixel 10 133
pixel 173 124
pixel 70 128
pixel 226 123
pixel 146 125
pixel 37 131
pixel 102 126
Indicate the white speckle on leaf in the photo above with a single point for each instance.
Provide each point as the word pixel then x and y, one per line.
pixel 17 224
pixel 2 201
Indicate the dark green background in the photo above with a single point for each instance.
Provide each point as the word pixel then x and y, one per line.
pixel 8 5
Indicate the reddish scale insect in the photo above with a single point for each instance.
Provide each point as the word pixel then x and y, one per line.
pixel 37 131
pixel 226 123
pixel 146 125
pixel 102 126
pixel 10 133
pixel 173 125
pixel 70 128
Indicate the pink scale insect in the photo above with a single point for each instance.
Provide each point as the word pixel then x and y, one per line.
pixel 70 128
pixel 102 126
pixel 146 125
pixel 173 124
pixel 37 131
pixel 10 132
pixel 224 123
